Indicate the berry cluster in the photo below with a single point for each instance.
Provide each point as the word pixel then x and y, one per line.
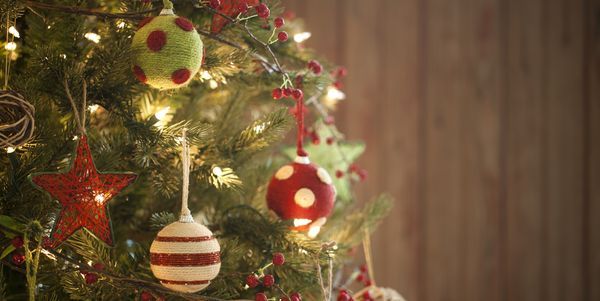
pixel 91 277
pixel 279 93
pixel 18 257
pixel 353 169
pixel 147 296
pixel 267 281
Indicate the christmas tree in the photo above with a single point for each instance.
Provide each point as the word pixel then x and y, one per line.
pixel 185 150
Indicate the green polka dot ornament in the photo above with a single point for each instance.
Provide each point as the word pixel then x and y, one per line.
pixel 167 50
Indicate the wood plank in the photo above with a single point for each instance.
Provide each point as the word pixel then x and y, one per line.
pixel 564 155
pixel 593 143
pixel 443 193
pixel 398 241
pixel 525 151
pixel 482 217
pixel 323 19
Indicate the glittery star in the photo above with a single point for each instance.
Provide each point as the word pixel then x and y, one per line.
pixel 83 193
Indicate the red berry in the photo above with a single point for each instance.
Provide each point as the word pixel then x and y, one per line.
pixel 315 140
pixel 338 85
pixel 296 297
pixel 277 93
pixel 330 140
pixel 268 280
pixel 243 7
pixel 363 268
pixel 317 69
pixel 297 94
pixel 278 259
pixel 339 174
pixel 362 174
pixel 366 295
pixel 343 296
pixel 282 36
pixel 279 22
pixel 98 266
pixel 18 258
pixel 287 92
pixel 360 277
pixel 329 120
pixel 252 281
pixel 341 72
pixel 17 242
pixel 312 63
pixel 214 4
pixel 263 11
pixel 260 297
pixel 146 296
pixel 91 278
pixel 46 242
pixel 368 282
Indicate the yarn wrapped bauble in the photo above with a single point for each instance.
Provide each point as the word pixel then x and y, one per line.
pixel 302 191
pixel 16 119
pixel 185 256
pixel 167 51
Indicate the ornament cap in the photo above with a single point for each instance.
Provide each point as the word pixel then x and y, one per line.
pixel 167 12
pixel 186 218
pixel 302 160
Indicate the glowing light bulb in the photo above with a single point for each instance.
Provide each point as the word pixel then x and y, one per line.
pixel 335 94
pixel 10 149
pixel 160 115
pixel 13 31
pixel 121 24
pixel 92 36
pixel 205 75
pixel 302 36
pixel 100 198
pixel 213 84
pixel 10 46
pixel 217 171
pixel 93 108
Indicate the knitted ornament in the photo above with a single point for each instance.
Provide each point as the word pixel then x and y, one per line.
pixel 185 256
pixel 167 51
pixel 301 191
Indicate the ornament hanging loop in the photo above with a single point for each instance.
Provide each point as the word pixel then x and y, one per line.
pixel 300 122
pixel 79 117
pixel 186 214
pixel 167 8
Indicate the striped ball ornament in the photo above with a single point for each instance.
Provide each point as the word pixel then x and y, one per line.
pixel 185 257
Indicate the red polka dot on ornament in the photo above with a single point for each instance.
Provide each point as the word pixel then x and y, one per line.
pixel 156 40
pixel 144 22
pixel 180 76
pixel 282 36
pixel 139 74
pixel 184 24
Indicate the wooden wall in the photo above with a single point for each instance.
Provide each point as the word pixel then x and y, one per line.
pixel 482 119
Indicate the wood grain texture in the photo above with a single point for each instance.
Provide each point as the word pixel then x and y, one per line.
pixel 482 118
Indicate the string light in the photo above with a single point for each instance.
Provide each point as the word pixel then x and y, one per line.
pixel 92 36
pixel 12 30
pixel 217 171
pixel 213 84
pixel 160 115
pixel 121 24
pixel 99 198
pixel 333 96
pixel 93 108
pixel 10 46
pixel 302 36
pixel 205 75
pixel 10 150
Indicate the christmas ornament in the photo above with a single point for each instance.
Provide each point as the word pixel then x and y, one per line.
pixel 167 50
pixel 230 8
pixel 185 256
pixel 16 120
pixel 82 191
pixel 302 191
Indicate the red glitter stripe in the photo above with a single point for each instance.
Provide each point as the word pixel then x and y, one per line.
pixel 164 281
pixel 183 239
pixel 185 259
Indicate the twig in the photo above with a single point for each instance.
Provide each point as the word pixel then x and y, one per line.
pixel 90 12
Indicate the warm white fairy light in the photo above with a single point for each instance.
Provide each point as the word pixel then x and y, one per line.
pixel 314 231
pixel 13 31
pixel 92 36
pixel 213 84
pixel 10 149
pixel 302 36
pixel 99 198
pixel 63 56
pixel 93 108
pixel 161 114
pixel 205 75
pixel 10 46
pixel 121 24
pixel 334 94
pixel 217 171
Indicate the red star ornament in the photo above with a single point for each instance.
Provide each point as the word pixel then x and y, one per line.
pixel 83 193
pixel 229 8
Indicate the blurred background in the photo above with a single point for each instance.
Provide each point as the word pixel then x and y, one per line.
pixel 481 119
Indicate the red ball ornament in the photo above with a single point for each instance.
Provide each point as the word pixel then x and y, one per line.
pixel 302 192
